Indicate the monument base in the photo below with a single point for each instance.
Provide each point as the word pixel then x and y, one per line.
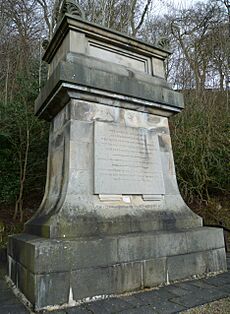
pixel 60 271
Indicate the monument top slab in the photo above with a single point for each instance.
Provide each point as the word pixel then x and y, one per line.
pixel 103 34
pixel 86 58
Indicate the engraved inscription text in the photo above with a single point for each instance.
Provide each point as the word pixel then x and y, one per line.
pixel 127 160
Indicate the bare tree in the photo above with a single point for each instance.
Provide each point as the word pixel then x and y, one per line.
pixel 127 16
pixel 190 29
pixel 47 8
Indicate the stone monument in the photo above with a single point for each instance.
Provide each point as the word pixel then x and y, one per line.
pixel 112 219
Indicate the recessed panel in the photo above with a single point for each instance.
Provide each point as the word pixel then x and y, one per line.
pixel 115 55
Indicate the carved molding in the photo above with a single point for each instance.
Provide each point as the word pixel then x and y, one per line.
pixel 72 7
pixel 67 6
pixel 164 43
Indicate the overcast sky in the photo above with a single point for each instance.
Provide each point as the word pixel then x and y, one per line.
pixel 166 6
pixel 185 3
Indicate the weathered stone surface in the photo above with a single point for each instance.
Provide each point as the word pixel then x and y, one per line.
pixel 49 256
pixel 121 57
pixel 26 282
pixel 106 281
pixel 43 290
pixel 217 260
pixel 51 289
pixel 158 68
pixel 187 294
pixel 70 199
pixel 154 272
pixel 205 238
pixel 126 160
pixel 103 37
pixel 128 277
pixel 159 244
pixel 184 266
pixel 75 254
pixel 120 83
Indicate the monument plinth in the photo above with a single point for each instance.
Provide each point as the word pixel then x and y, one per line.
pixel 112 219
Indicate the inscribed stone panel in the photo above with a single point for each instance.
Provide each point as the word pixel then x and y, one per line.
pixel 126 160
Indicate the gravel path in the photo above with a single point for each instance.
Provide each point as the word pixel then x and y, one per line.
pixel 221 306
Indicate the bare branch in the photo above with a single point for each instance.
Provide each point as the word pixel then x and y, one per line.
pixel 142 17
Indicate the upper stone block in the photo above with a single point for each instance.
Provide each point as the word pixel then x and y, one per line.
pixel 83 54
pixel 79 36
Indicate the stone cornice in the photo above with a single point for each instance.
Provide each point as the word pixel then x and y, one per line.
pixel 102 34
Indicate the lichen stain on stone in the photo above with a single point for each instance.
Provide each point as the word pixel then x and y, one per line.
pixel 131 119
pixel 42 291
pixel 122 116
pixel 162 130
pixel 171 166
pixel 165 142
pixel 104 116
pixel 146 145
pixel 83 111
pixel 153 119
pixel 58 141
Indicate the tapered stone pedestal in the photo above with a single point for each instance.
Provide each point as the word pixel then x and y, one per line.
pixel 112 219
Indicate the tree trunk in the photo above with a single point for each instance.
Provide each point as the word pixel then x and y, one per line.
pixel 23 168
pixel 7 80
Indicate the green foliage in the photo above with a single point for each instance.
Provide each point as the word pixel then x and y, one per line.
pixel 200 136
pixel 7 229
pixel 20 128
pixel 8 166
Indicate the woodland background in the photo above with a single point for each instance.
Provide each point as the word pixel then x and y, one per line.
pixel 199 67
